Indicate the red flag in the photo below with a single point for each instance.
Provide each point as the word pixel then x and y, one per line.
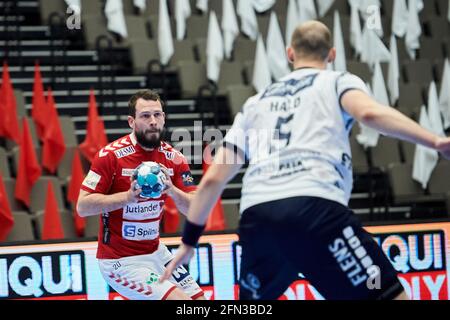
pixel 95 131
pixel 53 148
pixel 73 190
pixel 52 228
pixel 2 106
pixel 39 110
pixel 6 217
pixel 216 220
pixel 29 170
pixel 171 216
pixel 9 126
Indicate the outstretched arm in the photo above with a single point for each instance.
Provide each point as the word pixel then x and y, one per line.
pixel 224 167
pixel 391 122
pixel 208 192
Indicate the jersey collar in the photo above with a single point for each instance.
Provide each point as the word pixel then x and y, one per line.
pixel 301 68
pixel 133 139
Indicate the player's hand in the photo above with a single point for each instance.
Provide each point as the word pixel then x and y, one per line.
pixel 443 146
pixel 169 184
pixel 134 192
pixel 182 256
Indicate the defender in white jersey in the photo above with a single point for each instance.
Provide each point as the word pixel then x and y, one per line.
pixel 307 152
pixel 295 215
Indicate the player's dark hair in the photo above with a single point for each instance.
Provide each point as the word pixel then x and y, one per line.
pixel 313 40
pixel 149 95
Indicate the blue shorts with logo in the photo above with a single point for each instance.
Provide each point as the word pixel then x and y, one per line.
pixel 319 238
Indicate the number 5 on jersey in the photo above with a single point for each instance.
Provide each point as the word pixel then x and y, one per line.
pixel 282 134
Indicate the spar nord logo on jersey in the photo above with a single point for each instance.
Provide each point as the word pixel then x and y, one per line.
pixel 129 231
pixel 140 231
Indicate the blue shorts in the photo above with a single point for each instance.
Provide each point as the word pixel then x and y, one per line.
pixel 319 238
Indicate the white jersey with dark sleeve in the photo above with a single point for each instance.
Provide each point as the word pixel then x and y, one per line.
pixel 295 136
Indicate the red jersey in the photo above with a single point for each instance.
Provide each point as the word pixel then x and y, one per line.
pixel 134 229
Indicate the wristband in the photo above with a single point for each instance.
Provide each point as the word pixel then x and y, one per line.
pixel 191 233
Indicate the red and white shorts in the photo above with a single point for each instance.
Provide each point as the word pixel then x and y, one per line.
pixel 136 277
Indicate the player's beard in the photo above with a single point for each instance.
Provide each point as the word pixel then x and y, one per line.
pixel 150 139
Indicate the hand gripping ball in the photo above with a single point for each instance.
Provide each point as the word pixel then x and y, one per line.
pixel 150 179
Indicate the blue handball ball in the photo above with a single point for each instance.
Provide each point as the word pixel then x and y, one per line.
pixel 150 179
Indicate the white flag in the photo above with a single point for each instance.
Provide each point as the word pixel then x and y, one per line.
pixel 354 3
pixel 373 17
pixel 374 49
pixel 394 72
pixel 182 12
pixel 340 63
pixel 262 5
pixel 306 10
pixel 370 137
pixel 165 41
pixel 425 159
pixel 379 86
pixel 261 72
pixel 434 112
pixel 141 4
pixel 249 24
pixel 276 51
pixel 230 26
pixel 291 20
pixel 399 18
pixel 214 48
pixel 448 14
pixel 444 96
pixel 413 31
pixel 74 5
pixel 367 136
pixel 355 30
pixel 363 5
pixel 115 17
pixel 324 6
pixel 420 5
pixel 202 5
